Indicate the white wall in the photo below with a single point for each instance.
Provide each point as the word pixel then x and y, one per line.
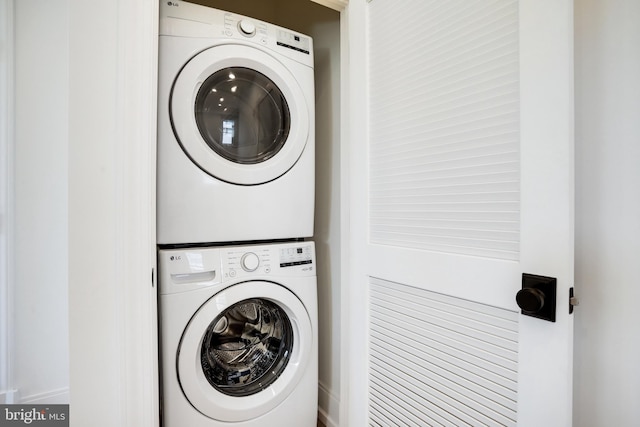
pixel 39 366
pixel 607 343
pixel 6 188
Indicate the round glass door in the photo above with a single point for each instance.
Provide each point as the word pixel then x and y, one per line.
pixel 242 115
pixel 246 347
pixel 244 351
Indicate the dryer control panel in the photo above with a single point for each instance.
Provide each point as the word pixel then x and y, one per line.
pixel 294 41
pixel 185 19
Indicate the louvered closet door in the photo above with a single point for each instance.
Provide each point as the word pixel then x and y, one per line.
pixel 469 184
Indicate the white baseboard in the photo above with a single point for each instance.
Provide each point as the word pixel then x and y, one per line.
pixel 328 407
pixel 8 397
pixel 53 397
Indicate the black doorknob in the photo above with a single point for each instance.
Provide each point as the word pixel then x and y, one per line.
pixel 530 300
pixel 537 298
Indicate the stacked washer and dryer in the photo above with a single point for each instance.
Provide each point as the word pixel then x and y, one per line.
pixel 235 201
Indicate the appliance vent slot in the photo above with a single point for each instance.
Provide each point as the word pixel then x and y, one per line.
pixel 445 126
pixel 437 360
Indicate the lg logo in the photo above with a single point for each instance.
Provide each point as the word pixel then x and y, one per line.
pixel 175 258
pixel 173 3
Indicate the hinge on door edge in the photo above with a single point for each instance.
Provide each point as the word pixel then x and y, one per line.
pixel 573 301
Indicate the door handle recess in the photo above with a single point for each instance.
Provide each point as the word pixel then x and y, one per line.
pixel 537 298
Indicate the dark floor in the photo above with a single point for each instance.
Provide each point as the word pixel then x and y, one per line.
pixel 320 424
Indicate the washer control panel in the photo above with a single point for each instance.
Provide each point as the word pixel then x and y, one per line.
pixel 278 259
pixel 250 261
pixel 246 261
pixel 186 269
pixel 296 255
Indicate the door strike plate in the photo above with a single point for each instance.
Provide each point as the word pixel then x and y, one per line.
pixel 573 301
pixel 537 298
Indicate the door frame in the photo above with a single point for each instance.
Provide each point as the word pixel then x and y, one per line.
pixel 354 336
pixel 112 288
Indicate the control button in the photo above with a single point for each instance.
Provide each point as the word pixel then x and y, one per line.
pixel 249 261
pixel 267 269
pixel 247 28
pixel 232 273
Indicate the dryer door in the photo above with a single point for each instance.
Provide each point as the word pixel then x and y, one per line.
pixel 244 351
pixel 239 114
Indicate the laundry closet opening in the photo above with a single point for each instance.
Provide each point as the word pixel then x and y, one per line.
pixel 323 25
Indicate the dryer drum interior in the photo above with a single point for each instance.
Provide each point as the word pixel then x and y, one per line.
pixel 246 347
pixel 242 115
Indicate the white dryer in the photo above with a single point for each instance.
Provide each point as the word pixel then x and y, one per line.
pixel 236 134
pixel 239 336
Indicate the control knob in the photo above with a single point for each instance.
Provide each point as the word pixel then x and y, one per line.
pixel 249 262
pixel 247 28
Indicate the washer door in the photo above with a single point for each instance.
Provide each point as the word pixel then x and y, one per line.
pixel 239 114
pixel 244 351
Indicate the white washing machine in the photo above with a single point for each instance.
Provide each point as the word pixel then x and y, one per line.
pixel 239 336
pixel 236 133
